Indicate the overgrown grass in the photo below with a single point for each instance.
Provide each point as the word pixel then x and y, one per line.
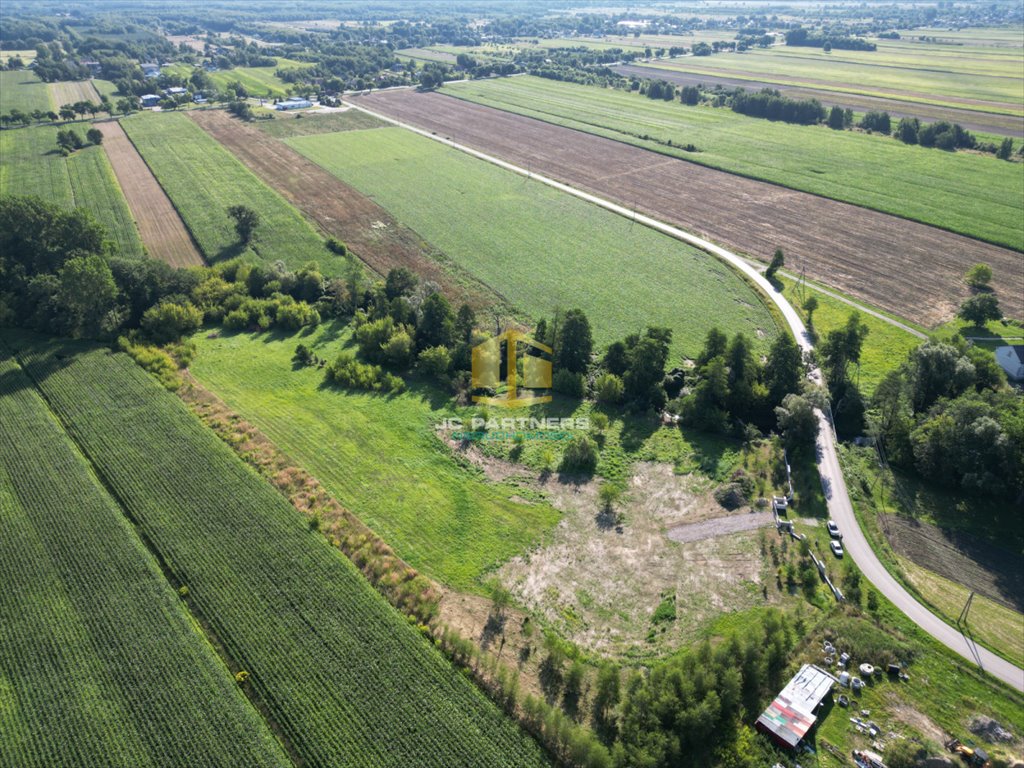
pixel 283 127
pixel 885 347
pixel 976 195
pixel 33 166
pixel 203 179
pixel 377 455
pixel 540 248
pixel 23 90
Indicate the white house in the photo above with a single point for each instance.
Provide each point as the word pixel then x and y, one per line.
pixel 1012 361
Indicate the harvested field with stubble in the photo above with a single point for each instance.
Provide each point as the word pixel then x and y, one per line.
pixel 338 209
pixel 910 269
pixel 73 91
pixel 160 227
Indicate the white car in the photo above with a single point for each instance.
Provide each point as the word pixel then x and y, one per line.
pixel 836 547
pixel 833 530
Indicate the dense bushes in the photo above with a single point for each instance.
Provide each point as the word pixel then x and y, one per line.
pixel 348 372
pixel 772 105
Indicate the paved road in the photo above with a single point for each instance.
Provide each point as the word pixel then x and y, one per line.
pixel 839 506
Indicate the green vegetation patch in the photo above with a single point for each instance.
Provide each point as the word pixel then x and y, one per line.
pixel 100 663
pixel 540 248
pixel 32 165
pixel 347 679
pixel 378 455
pixel 973 194
pixel 23 90
pixel 282 127
pixel 203 179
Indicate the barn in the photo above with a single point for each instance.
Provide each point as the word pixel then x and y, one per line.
pixel 793 713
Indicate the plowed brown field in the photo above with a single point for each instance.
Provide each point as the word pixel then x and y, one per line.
pixel 907 268
pixel 369 230
pixel 160 227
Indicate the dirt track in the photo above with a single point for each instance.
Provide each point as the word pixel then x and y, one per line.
pixel 907 268
pixel 160 227
pixel 339 210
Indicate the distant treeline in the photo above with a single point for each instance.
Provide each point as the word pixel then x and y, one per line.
pixel 808 38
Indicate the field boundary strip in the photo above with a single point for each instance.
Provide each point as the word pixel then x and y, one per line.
pixel 163 231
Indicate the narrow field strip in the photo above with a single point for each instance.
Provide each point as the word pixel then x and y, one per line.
pixel 161 228
pixel 100 663
pixel 348 680
pixel 73 91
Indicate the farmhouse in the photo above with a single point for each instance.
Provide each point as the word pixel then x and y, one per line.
pixel 294 102
pixel 1012 361
pixel 792 715
pixel 175 91
pixel 149 100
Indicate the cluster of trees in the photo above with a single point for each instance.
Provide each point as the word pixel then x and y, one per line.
pixel 58 275
pixel 941 134
pixel 729 387
pixel 839 356
pixel 69 140
pixel 807 38
pixel 771 104
pixel 947 414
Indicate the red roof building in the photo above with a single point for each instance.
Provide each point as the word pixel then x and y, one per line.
pixel 793 713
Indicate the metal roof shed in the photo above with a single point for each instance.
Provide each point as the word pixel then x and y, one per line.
pixel 788 719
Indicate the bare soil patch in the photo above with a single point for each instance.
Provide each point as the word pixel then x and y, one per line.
pixel 599 581
pixel 721 526
pixel 160 227
pixel 72 91
pixel 338 209
pixel 908 268
pixel 959 557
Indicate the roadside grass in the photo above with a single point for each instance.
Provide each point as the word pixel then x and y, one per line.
pixel 22 89
pixel 379 456
pixel 541 249
pixel 203 179
pixel 282 127
pixel 873 492
pixel 33 166
pixel 995 333
pixel 885 347
pixel 968 193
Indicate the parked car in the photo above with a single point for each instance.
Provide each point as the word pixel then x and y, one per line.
pixel 833 530
pixel 836 547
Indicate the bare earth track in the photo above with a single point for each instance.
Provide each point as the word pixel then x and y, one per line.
pixel 910 269
pixel 160 227
pixel 338 209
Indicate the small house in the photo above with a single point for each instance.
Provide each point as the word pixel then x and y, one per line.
pixel 199 98
pixel 1011 359
pixel 794 712
pixel 175 91
pixel 150 70
pixel 150 100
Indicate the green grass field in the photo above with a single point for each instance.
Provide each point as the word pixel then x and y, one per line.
pixel 439 516
pixel 22 90
pixel 283 127
pixel 972 194
pixel 33 166
pixel 540 248
pixel 885 348
pixel 345 677
pixel 982 78
pixel 203 179
pixel 106 88
pixel 100 662
pixel 260 82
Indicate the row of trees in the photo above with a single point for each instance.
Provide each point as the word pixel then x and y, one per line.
pixel 772 105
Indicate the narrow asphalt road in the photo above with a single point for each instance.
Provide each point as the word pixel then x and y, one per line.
pixel 838 499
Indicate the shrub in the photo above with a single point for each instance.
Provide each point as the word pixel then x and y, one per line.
pixel 348 372
pixel 169 321
pixel 435 361
pixel 569 383
pixel 580 456
pixel 334 245
pixel 608 388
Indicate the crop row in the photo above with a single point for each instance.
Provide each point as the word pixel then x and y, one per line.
pixel 100 664
pixel 348 680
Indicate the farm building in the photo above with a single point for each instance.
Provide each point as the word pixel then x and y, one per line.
pixel 150 70
pixel 149 100
pixel 294 102
pixel 1012 361
pixel 793 714
pixel 175 91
